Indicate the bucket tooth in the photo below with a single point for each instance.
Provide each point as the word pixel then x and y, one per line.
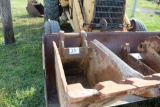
pixel 109 89
pixel 76 93
pixel 138 82
pixel 145 88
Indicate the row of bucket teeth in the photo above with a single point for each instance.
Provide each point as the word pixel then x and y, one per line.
pixel 110 89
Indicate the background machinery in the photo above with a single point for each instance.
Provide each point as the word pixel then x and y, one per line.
pixel 92 15
pixel 35 8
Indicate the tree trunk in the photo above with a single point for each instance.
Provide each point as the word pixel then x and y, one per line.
pixel 6 17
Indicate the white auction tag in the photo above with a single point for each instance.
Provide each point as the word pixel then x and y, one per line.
pixel 73 50
pixel 137 56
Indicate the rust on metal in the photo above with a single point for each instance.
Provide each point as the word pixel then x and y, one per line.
pixel 83 79
pixel 150 45
pixel 149 50
pixel 82 42
pixel 104 23
pixel 134 60
pixel 35 9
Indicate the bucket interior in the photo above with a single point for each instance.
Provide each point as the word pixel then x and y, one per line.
pixel 101 65
pixel 75 71
pixel 40 8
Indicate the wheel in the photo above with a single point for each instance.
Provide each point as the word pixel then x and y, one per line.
pixel 51 26
pixel 51 10
pixel 137 25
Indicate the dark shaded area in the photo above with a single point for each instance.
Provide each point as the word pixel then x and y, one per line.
pixel 157 13
pixel 25 16
pixel 66 26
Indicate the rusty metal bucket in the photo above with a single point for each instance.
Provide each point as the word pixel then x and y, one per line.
pixel 35 9
pixel 101 59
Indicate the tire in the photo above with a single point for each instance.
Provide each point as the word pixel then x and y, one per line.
pixel 137 25
pixel 51 10
pixel 51 27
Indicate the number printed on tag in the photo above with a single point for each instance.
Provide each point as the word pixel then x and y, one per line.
pixel 73 50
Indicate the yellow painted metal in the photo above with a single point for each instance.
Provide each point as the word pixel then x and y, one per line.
pixel 77 18
pixel 64 3
pixel 89 9
pixel 78 14
pixel 70 20
pixel 74 14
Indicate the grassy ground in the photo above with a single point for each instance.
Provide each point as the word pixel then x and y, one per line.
pixel 150 20
pixel 144 4
pixel 21 79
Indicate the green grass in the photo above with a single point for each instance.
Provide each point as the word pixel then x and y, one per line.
pixel 150 20
pixel 21 79
pixel 144 4
pixel 21 75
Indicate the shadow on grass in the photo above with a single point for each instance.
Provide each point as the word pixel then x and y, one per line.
pixel 27 16
pixel 157 13
pixel 1 32
pixel 21 68
pixel 26 32
pixel 23 31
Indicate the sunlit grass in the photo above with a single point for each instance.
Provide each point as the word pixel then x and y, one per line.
pixel 21 79
pixel 143 4
pixel 150 20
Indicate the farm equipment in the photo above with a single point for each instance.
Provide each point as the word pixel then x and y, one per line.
pixel 35 8
pixel 96 69
pixel 100 69
pixel 90 15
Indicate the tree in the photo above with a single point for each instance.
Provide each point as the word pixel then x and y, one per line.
pixel 7 25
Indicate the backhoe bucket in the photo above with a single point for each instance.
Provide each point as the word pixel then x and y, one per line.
pixel 35 9
pixel 98 69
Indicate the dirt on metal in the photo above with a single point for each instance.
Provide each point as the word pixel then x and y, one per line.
pixel 100 77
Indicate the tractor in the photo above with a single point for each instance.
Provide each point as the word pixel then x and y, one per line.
pixel 90 15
